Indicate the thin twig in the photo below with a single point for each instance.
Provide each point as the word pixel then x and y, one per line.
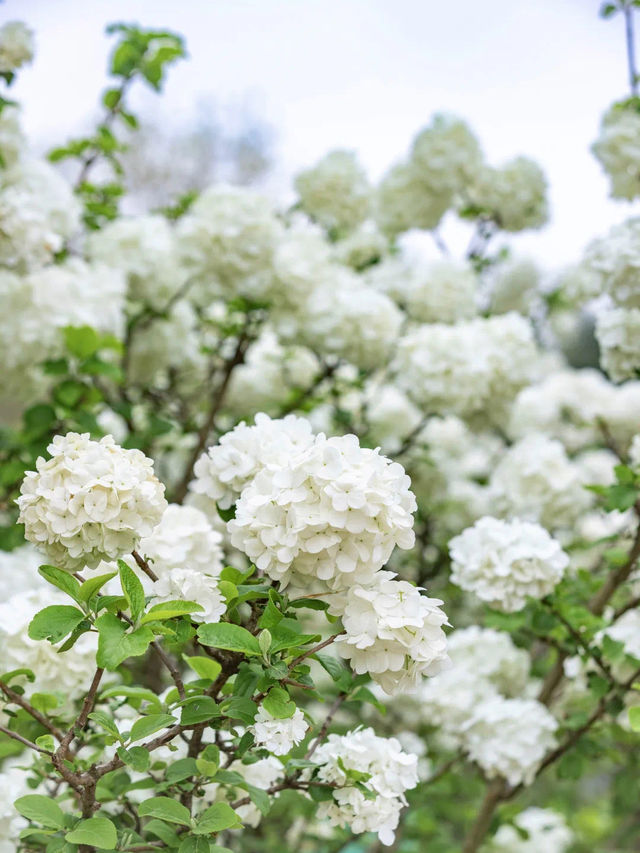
pixel 23 740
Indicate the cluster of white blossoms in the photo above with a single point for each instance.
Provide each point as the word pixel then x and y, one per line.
pixel 393 632
pixel 533 830
pixel 16 46
pixel 91 501
pixel 618 150
pixel 278 735
pixel 614 260
pixel 514 196
pixel 536 481
pixel 468 368
pixel 514 286
pixel 228 467
pixel 489 655
pixel 65 675
pixel 618 333
pixel 505 562
pixel 510 737
pixel 335 192
pixel 12 140
pixel 332 514
pixel 440 292
pixel 391 772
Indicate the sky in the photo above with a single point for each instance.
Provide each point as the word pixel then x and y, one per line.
pixel 530 77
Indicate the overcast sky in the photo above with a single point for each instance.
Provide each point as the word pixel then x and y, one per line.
pixel 531 77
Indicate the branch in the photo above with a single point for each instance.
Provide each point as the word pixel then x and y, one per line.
pixel 324 728
pixel 494 794
pixel 23 740
pixel 17 699
pixel 144 566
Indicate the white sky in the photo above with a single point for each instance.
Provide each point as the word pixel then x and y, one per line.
pixel 532 77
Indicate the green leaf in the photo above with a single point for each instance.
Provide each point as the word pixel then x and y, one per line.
pixel 106 722
pixel 278 703
pixel 96 832
pixel 199 710
pixel 136 757
pixel 181 770
pixel 169 610
pixel 62 580
pixel 162 831
pixel 287 635
pixel 45 702
pixel 217 817
pixel 233 638
pixel 165 808
pixel 634 718
pixel 114 643
pixel 149 725
pixel 81 341
pixel 240 708
pixel 132 588
pixel 205 667
pixel 138 694
pixel 40 809
pixel 194 844
pixel 270 616
pixel 55 622
pixel 90 587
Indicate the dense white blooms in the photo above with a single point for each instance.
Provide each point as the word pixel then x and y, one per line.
pixel 91 501
pixel 16 46
pixel 467 368
pixel 392 770
pixel 618 333
pixel 229 466
pixel 191 585
pixel 546 831
pixel 13 784
pixel 514 285
pixel 392 632
pixel 227 240
pixel 331 513
pixel 38 212
pixel 614 260
pixel 536 481
pixel 12 140
pixel 335 191
pixel 510 737
pixel 362 247
pixel 404 201
pixel 448 700
pixel 69 674
pixel 514 196
pixel 626 630
pixel 565 405
pixel 442 292
pixel 279 736
pixel 144 248
pixel 184 539
pixel 19 571
pixel 446 154
pixel 269 375
pixel 618 150
pixel 504 562
pixel 390 415
pixel 486 653
pixel 301 263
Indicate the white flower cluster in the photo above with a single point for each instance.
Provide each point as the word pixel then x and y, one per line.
pixel 536 481
pixel 331 513
pixel 91 501
pixel 505 562
pixel 67 675
pixel 514 285
pixel 618 150
pixel 228 467
pixel 468 368
pixel 278 735
pixel 362 247
pixel 16 46
pixel 546 830
pixel 335 191
pixel 510 738
pixel 12 140
pixel 618 333
pixel 490 655
pixel 393 632
pixel 440 292
pixel 392 772
pixel 514 195
pixel 613 262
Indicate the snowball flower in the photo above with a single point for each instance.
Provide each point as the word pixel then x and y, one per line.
pixel 229 466
pixel 618 150
pixel 515 196
pixel 618 334
pixel 546 830
pixel 504 562
pixel 335 191
pixel 405 201
pixel 446 154
pixel 191 585
pixel 392 772
pixel 16 46
pixel 279 736
pixel 486 653
pixel 91 501
pixel 442 292
pixel 393 632
pixel 510 738
pixel 514 286
pixel 184 539
pixel 362 247
pixel 449 700
pixel 12 140
pixel 536 481
pixel 328 516
pixel 613 261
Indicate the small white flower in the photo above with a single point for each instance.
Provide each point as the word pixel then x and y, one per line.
pixel 16 46
pixel 279 736
pixel 191 585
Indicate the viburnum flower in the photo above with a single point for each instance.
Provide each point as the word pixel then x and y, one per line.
pixel 618 334
pixel 184 538
pixel 391 772
pixel 510 737
pixel 492 655
pixel 229 466
pixel 504 562
pixel 91 501
pixel 393 632
pixel 335 191
pixel 546 830
pixel 191 585
pixel 514 196
pixel 332 513
pixel 16 46
pixel 278 735
pixel 618 150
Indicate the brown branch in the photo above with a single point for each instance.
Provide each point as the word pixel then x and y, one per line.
pixel 17 699
pixel 144 566
pixel 494 794
pixel 324 728
pixel 23 740
pixel 313 650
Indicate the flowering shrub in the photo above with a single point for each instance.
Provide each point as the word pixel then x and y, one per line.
pixel 302 539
